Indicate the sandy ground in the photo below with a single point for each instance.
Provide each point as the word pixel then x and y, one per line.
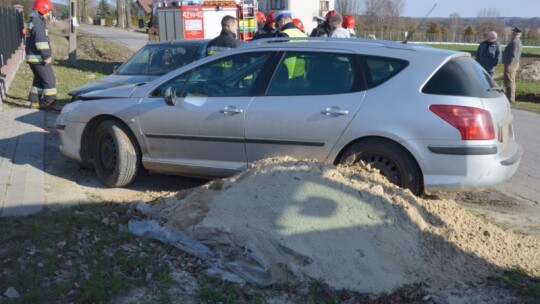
pixel 308 220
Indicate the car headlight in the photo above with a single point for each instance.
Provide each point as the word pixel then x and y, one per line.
pixel 61 119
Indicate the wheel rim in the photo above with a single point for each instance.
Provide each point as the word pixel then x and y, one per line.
pixel 388 168
pixel 107 154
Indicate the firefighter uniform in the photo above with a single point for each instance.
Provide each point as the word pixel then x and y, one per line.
pixel 38 54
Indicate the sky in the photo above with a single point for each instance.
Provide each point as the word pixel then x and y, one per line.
pixel 470 8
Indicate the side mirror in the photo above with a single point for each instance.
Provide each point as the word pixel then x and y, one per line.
pixel 115 68
pixel 170 96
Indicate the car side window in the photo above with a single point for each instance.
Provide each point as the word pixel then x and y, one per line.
pixel 230 76
pixel 380 69
pixel 313 73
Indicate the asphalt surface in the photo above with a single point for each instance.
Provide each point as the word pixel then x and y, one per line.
pixel 132 40
pixel 525 184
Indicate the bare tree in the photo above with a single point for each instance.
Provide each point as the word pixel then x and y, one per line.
pixel 488 20
pixel 349 7
pixel 383 14
pixel 455 25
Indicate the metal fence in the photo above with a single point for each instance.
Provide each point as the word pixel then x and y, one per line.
pixel 442 38
pixel 11 26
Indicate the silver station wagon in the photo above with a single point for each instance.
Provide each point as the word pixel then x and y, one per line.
pixel 428 119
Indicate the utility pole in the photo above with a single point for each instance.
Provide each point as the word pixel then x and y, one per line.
pixel 72 57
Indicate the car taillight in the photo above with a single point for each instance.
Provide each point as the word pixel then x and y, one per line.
pixel 472 123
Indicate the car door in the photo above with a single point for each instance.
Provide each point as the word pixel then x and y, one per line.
pixel 310 100
pixel 203 132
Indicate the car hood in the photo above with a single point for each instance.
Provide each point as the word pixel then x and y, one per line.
pixel 111 81
pixel 123 91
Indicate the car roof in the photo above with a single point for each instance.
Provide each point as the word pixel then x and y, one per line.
pixel 355 45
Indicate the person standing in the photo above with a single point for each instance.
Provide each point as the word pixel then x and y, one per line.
pixel 285 24
pixel 269 28
pixel 336 27
pixel 38 56
pixel 510 59
pixel 323 28
pixel 349 24
pixel 489 53
pixel 226 39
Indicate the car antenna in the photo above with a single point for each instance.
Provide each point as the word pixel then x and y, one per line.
pixel 407 38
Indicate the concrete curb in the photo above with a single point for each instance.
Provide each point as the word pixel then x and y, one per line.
pixel 9 71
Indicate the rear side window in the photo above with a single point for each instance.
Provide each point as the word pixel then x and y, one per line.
pixel 378 70
pixel 462 77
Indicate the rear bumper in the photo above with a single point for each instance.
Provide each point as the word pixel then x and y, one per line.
pixel 467 172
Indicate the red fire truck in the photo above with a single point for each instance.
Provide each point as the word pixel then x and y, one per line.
pixel 200 19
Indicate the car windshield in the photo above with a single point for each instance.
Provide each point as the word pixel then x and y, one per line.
pixel 158 59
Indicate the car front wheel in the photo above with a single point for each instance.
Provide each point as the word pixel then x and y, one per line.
pixel 392 160
pixel 116 158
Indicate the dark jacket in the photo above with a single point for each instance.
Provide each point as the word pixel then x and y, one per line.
pixel 265 32
pixel 38 48
pixel 225 41
pixel 488 55
pixel 322 30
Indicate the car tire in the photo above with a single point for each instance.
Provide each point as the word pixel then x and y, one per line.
pixel 116 158
pixel 391 159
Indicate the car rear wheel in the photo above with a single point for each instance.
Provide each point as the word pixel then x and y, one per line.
pixel 116 158
pixel 394 162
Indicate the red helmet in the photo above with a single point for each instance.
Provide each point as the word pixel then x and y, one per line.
pixel 43 6
pixel 348 22
pixel 271 18
pixel 298 23
pixel 330 14
pixel 260 17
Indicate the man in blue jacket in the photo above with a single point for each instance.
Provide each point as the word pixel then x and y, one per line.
pixel 489 53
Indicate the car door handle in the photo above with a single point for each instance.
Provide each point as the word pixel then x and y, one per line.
pixel 334 111
pixel 231 110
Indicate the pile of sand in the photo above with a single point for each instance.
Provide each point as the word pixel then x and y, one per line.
pixel 349 226
pixel 530 71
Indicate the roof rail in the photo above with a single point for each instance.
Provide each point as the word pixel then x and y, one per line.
pixel 383 43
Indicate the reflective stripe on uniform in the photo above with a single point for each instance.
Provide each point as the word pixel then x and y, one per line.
pixel 49 92
pixel 42 45
pixel 33 58
pixel 36 90
pixel 216 49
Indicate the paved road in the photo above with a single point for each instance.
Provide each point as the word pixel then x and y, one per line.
pixel 132 40
pixel 525 184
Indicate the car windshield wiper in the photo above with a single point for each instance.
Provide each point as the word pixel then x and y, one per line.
pixel 498 89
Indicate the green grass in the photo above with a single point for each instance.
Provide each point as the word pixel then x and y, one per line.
pixel 525 286
pixel 96 58
pixel 73 255
pixel 527 92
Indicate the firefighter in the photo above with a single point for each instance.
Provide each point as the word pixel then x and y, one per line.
pixel 38 56
pixel 285 24
pixel 323 29
pixel 299 25
pixel 269 28
pixel 226 39
pixel 261 19
pixel 349 24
